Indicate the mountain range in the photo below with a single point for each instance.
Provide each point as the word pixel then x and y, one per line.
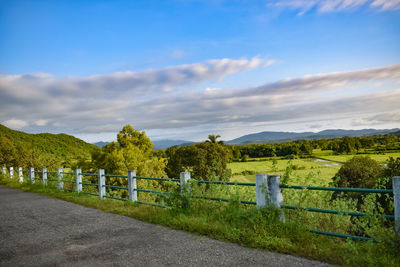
pixel 278 137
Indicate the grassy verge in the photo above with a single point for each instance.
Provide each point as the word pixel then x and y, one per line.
pixel 244 225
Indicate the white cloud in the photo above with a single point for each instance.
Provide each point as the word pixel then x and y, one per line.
pixel 99 104
pixel 324 6
pixel 15 124
pixel 41 122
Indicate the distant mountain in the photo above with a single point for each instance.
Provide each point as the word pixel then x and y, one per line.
pixel 278 137
pixel 165 143
pixel 101 143
pixel 396 133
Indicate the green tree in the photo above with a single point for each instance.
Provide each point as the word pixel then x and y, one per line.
pixel 131 152
pixel 128 135
pixel 348 145
pixel 206 161
pixel 212 138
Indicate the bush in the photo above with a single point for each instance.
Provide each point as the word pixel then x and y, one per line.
pixel 360 172
pixel 364 172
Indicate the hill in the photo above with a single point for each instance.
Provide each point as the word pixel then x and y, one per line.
pixel 165 143
pixel 278 137
pixel 101 143
pixel 35 149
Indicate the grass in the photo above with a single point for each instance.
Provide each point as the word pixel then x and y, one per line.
pixel 302 167
pixel 325 170
pixel 245 225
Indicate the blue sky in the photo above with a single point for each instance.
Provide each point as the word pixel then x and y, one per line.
pixel 184 69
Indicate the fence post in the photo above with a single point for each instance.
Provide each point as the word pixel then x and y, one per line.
pixel 3 169
pixel 102 183
pixel 32 175
pixel 261 190
pixel 132 186
pixel 275 196
pixel 78 180
pixel 11 172
pixel 20 176
pixel 184 179
pixel 59 178
pixel 396 202
pixel 44 176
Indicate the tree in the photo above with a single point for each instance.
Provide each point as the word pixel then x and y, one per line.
pixel 348 145
pixel 358 172
pixel 212 138
pixel 131 152
pixel 128 135
pixel 206 161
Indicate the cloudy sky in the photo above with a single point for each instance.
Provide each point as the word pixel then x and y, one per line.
pixel 183 69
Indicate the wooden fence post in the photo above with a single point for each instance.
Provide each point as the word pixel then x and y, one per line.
pixel 261 189
pixel 132 186
pixel 32 175
pixel 3 169
pixel 102 183
pixel 78 180
pixel 396 201
pixel 20 175
pixel 184 179
pixel 59 178
pixel 44 176
pixel 11 172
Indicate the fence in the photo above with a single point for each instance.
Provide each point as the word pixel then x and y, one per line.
pixel 268 191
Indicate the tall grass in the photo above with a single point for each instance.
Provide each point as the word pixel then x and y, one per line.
pixel 248 226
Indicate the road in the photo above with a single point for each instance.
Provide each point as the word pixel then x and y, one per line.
pixel 40 231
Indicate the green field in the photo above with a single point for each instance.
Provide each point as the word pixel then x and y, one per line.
pixel 321 168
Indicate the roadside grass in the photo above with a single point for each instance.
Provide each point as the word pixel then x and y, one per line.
pixel 242 224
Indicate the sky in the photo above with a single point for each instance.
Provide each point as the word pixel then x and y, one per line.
pixel 183 69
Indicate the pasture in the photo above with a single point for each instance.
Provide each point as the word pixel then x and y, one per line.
pixel 322 167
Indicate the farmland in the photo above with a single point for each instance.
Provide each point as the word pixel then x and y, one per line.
pixel 323 165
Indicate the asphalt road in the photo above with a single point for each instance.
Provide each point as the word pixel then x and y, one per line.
pixel 40 231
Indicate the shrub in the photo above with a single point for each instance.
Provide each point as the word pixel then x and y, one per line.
pixel 358 172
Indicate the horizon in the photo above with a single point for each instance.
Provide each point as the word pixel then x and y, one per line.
pixel 225 140
pixel 181 70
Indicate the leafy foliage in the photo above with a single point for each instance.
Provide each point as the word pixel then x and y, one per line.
pixel 131 152
pixel 359 171
pixel 364 172
pixel 19 149
pixel 205 161
pixel 304 148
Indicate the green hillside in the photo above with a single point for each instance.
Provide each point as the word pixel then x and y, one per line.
pixel 37 150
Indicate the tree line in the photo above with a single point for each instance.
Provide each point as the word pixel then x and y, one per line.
pixel 304 148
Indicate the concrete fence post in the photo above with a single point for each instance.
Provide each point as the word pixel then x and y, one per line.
pixel 20 175
pixel 32 175
pixel 11 172
pixel 184 182
pixel 78 180
pixel 44 176
pixel 275 196
pixel 60 179
pixel 3 170
pixel 102 183
pixel 261 190
pixel 396 202
pixel 132 186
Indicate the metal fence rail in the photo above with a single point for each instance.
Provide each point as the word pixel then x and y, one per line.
pixel 268 192
pixel 338 189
